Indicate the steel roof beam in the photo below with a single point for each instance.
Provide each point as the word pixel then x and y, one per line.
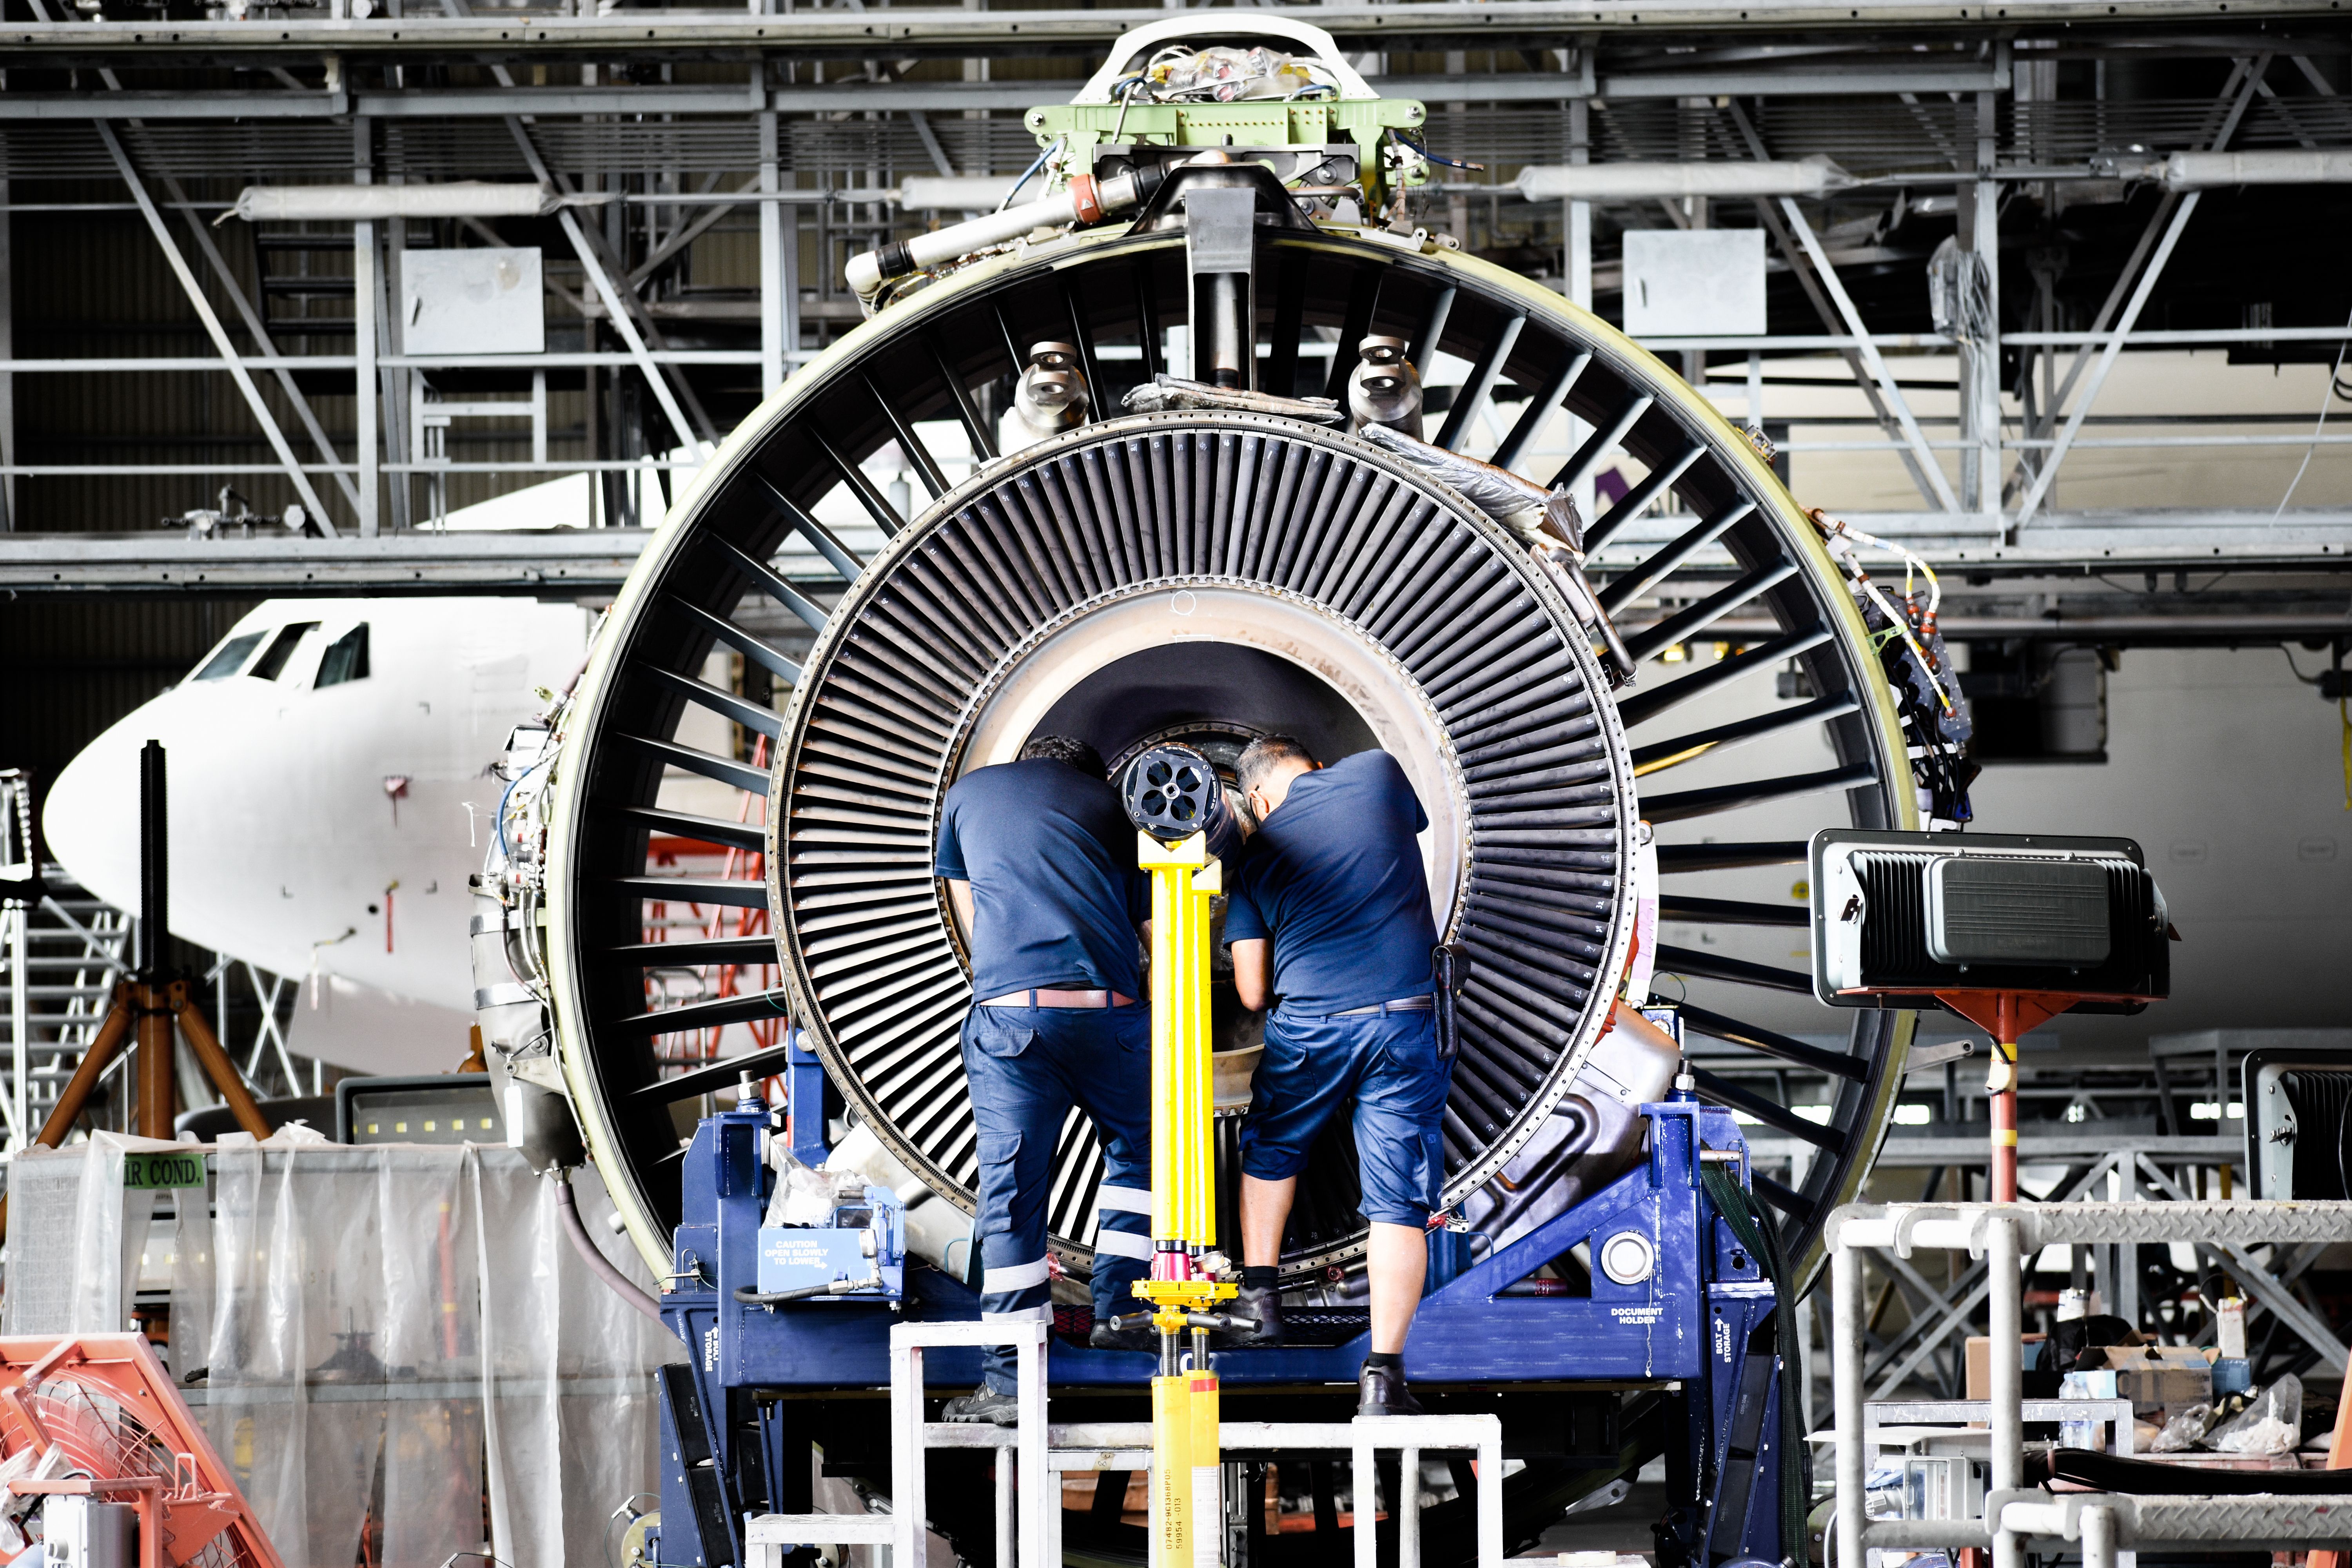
pixel 2045 471
pixel 564 562
pixel 263 343
pixel 288 464
pixel 949 97
pixel 902 30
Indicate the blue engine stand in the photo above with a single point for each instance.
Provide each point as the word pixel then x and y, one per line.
pixel 1684 1331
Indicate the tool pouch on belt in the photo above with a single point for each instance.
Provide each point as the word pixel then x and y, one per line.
pixel 1449 972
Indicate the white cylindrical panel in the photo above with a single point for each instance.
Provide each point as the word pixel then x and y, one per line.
pixel 994 229
pixel 352 204
pixel 952 192
pixel 863 273
pixel 1651 182
pixel 2201 171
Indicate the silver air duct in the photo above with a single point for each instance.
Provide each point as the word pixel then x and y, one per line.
pixel 1669 181
pixel 1083 201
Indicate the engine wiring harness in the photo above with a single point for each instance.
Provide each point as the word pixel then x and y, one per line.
pixel 1927 697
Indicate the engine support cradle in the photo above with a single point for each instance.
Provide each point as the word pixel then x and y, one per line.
pixel 1673 1306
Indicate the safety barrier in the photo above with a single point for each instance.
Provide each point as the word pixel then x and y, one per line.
pixel 1028 1515
pixel 2004 1234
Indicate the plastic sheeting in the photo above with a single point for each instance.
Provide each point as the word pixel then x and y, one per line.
pixel 76 1237
pixel 398 1341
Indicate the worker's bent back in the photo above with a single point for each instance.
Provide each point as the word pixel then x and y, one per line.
pixel 1334 877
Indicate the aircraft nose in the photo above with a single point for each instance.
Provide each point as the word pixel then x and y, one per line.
pixel 91 816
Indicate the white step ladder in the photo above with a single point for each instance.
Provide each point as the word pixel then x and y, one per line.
pixel 1028 1510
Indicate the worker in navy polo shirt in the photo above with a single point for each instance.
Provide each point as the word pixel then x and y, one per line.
pixel 1329 923
pixel 1040 863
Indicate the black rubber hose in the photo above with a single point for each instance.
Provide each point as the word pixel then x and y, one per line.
pixel 1756 1231
pixel 751 1297
pixel 623 1286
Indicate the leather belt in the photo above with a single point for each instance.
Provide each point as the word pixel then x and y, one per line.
pixel 1421 1004
pixel 1058 999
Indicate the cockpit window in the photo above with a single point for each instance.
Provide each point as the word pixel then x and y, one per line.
pixel 272 663
pixel 231 657
pixel 346 659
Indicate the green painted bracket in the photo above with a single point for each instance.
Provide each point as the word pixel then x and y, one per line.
pixel 1249 122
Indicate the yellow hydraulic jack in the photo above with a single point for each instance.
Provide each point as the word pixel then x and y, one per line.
pixel 1166 796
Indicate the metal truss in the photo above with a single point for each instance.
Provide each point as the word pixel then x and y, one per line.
pixel 2098 1173
pixel 808 120
pixel 582 561
pixel 861 32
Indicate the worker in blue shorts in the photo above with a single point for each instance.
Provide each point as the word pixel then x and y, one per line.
pixel 1329 923
pixel 1040 863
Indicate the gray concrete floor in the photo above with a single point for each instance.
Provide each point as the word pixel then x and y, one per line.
pixel 1621 1527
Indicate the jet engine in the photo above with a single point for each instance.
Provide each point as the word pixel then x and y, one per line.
pixel 1145 514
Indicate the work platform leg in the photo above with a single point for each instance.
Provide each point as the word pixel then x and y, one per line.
pixel 1407 1509
pixel 1034 1471
pixel 1364 1472
pixel 1006 1463
pixel 1027 1516
pixel 910 1506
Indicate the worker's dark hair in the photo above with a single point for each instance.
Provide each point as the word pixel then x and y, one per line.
pixel 1063 749
pixel 1265 754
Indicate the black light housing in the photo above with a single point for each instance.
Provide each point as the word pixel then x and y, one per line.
pixel 1901 919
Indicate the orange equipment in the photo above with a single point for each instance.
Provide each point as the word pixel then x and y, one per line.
pixel 106 1403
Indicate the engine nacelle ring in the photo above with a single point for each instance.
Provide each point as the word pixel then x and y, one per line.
pixel 745 535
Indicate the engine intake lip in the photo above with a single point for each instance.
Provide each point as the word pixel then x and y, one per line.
pixel 944 355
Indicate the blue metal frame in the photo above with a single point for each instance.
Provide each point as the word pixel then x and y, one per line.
pixel 1685 1329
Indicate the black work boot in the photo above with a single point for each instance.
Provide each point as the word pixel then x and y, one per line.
pixel 1382 1391
pixel 1263 1307
pixel 984 1404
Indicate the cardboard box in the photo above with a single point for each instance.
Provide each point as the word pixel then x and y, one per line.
pixel 2159 1377
pixel 1977 1357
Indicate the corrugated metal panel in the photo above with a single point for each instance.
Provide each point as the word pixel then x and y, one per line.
pixel 296 151
pixel 99 286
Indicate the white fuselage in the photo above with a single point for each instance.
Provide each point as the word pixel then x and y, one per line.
pixel 295 843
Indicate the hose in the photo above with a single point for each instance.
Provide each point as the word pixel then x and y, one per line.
pixel 1029 173
pixel 1083 201
pixel 603 1267
pixel 1754 1230
pixel 752 1297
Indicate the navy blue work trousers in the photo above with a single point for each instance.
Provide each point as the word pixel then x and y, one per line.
pixel 1028 1066
pixel 1387 1063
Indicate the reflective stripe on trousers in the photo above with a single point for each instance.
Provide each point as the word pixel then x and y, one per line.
pixel 1028 1066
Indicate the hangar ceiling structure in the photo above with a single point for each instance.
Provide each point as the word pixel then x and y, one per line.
pixel 724 162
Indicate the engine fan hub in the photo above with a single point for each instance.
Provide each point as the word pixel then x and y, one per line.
pixel 1138 576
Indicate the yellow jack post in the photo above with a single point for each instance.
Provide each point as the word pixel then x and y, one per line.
pixel 1187 1471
